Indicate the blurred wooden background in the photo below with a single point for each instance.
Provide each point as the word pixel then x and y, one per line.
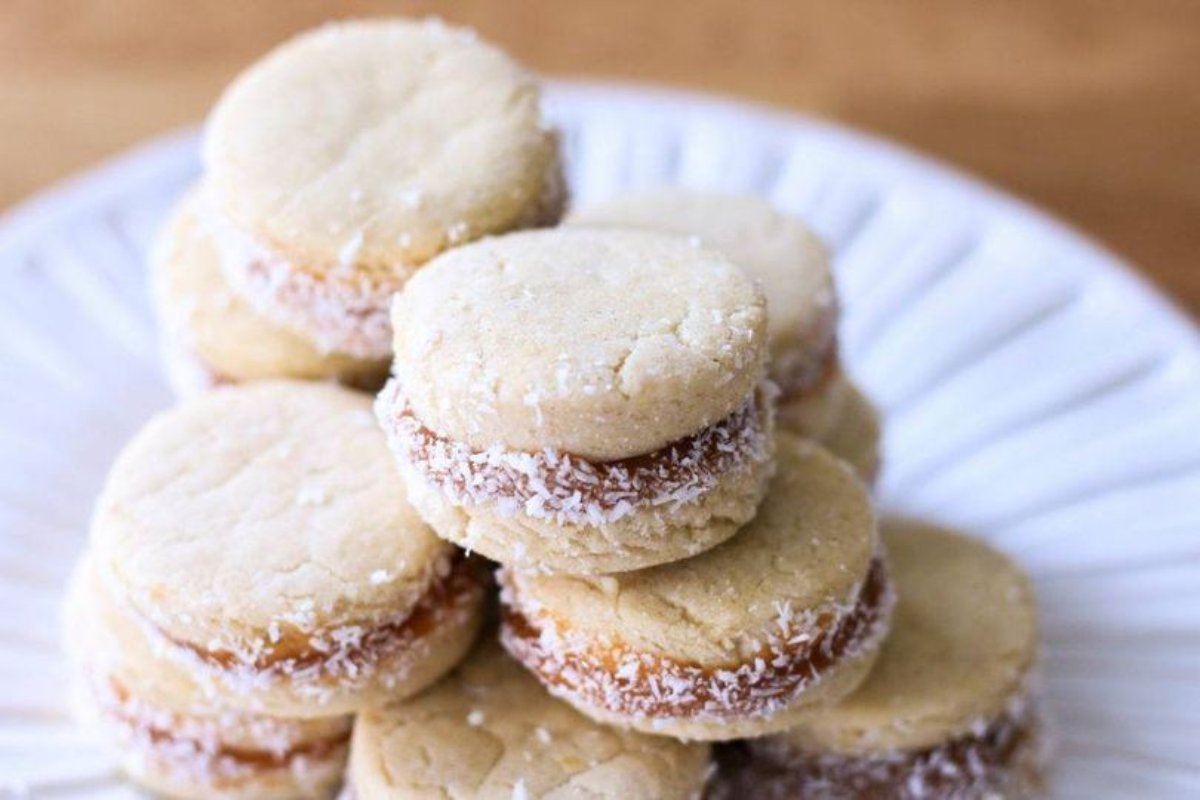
pixel 1088 107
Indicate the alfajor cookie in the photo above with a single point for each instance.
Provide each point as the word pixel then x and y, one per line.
pixel 778 250
pixel 210 336
pixel 853 435
pixel 260 536
pixel 734 642
pixel 166 735
pixel 581 401
pixel 948 710
pixel 490 731
pixel 354 153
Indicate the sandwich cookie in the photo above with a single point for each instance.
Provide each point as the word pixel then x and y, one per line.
pixel 785 256
pixel 581 401
pixel 352 154
pixel 211 336
pixel 947 712
pixel 854 435
pixel 490 731
pixel 166 735
pixel 255 533
pixel 735 642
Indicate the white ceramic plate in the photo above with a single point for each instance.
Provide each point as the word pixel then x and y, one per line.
pixel 1036 392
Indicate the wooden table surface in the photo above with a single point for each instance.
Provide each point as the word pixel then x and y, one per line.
pixel 1090 108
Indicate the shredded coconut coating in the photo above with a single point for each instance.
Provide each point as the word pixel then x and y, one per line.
pixel 806 644
pixel 195 749
pixel 339 308
pixel 1004 756
pixel 344 659
pixel 345 311
pixel 567 489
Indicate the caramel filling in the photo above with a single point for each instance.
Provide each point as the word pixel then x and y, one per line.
pixel 989 759
pixel 644 685
pixel 295 651
pixel 567 488
pixel 251 758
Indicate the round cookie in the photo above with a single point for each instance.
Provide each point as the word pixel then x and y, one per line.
pixel 854 435
pixel 261 536
pixel 211 336
pixel 778 250
pixel 580 400
pixel 352 154
pixel 166 735
pixel 490 731
pixel 734 642
pixel 815 414
pixel 948 709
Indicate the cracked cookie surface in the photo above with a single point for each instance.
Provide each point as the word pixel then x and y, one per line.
pixel 601 344
pixel 376 144
pixel 262 537
pixel 490 731
pixel 777 249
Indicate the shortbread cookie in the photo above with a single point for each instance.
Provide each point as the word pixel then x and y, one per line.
pixel 260 535
pixel 948 710
pixel 778 250
pixel 352 154
pixel 854 435
pixel 490 731
pixel 581 401
pixel 734 642
pixel 211 336
pixel 166 735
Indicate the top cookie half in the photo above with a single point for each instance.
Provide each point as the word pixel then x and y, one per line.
pixel 603 344
pixel 379 143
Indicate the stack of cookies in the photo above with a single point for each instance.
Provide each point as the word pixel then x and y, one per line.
pixel 632 429
pixel 334 168
pixel 254 577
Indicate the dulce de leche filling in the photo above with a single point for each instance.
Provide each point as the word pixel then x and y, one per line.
pixel 995 756
pixel 155 730
pixel 643 685
pixel 570 489
pixel 349 651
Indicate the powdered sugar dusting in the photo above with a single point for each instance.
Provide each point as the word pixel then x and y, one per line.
pixel 565 488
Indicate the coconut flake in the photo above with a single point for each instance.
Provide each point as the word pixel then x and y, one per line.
pixel 568 489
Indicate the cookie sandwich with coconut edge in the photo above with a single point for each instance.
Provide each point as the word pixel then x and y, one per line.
pixel 354 153
pixel 259 535
pixel 734 642
pixel 166 734
pixel 210 336
pixel 793 266
pixel 581 401
pixel 950 710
